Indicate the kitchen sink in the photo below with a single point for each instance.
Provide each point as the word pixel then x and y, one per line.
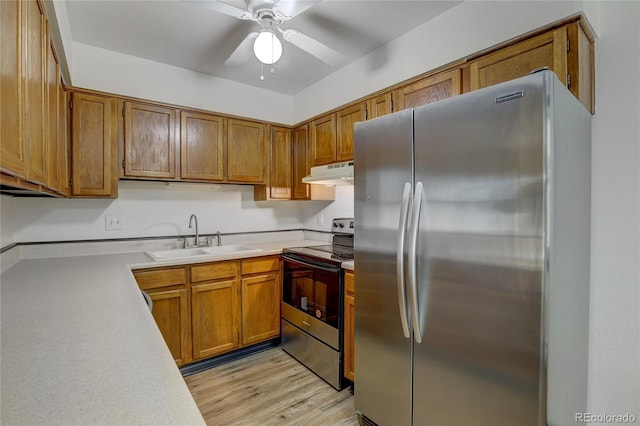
pixel 197 252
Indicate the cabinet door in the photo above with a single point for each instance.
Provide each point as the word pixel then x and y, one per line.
pixel 349 326
pixel 34 55
pixel 323 140
pixel 149 141
pixel 300 191
pixel 171 312
pixel 430 89
pixel 280 170
pixel 380 105
pixel 94 146
pixel 63 140
pixel 346 118
pixel 518 60
pixel 215 316
pixel 246 154
pixel 12 144
pixel 53 119
pixel 201 146
pixel 260 308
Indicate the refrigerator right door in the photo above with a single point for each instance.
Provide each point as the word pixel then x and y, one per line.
pixel 479 269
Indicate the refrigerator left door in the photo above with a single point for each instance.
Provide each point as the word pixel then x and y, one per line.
pixel 383 169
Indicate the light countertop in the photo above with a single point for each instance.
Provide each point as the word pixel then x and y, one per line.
pixel 79 345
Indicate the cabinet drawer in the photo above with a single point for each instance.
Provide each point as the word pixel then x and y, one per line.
pixel 158 278
pixel 349 283
pixel 261 264
pixel 214 271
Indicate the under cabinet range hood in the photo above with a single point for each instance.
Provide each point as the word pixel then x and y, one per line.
pixel 331 174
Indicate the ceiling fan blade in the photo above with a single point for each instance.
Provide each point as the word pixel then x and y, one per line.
pixel 313 47
pixel 222 7
pixel 243 52
pixel 287 9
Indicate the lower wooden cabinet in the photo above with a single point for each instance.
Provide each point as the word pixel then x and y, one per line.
pixel 167 288
pixel 171 312
pixel 349 325
pixel 260 308
pixel 207 309
pixel 215 319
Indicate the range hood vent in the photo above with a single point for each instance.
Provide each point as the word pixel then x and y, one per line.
pixel 331 174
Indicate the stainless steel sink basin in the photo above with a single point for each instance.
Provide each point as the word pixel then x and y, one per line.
pixel 198 252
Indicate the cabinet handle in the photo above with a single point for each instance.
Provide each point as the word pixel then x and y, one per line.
pixel 306 323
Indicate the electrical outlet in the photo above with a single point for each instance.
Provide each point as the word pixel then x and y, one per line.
pixel 114 222
pixel 320 219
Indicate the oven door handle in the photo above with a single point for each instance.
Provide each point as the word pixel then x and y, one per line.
pixel 311 265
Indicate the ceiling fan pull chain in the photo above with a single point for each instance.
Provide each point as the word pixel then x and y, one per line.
pixel 261 71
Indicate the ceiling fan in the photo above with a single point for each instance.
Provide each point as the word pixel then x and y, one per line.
pixel 265 44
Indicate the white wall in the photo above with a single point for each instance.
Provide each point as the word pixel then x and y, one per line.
pixel 341 207
pixel 468 28
pixel 614 370
pixel 7 223
pixel 117 73
pixel 152 209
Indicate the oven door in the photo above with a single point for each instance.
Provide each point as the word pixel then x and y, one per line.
pixel 313 288
pixel 312 316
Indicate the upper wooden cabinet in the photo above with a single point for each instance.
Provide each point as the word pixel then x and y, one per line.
pixel 34 125
pixel 300 162
pixel 567 51
pixel 246 154
pixel 30 117
pixel 53 119
pixel 345 119
pixel 150 148
pixel 278 185
pixel 202 146
pixel 13 151
pixel 323 140
pixel 94 146
pixel 427 90
pixel 380 105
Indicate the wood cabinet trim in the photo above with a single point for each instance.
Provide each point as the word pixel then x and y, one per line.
pixel 214 271
pixel 260 265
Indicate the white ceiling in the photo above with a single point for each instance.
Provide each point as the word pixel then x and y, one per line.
pixel 189 35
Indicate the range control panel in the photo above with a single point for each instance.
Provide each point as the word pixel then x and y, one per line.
pixel 344 225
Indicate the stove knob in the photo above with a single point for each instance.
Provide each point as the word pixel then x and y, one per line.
pixel 341 225
pixel 351 224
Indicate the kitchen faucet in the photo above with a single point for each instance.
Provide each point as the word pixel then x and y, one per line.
pixel 191 219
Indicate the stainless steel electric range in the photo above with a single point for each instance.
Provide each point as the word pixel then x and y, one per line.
pixel 313 301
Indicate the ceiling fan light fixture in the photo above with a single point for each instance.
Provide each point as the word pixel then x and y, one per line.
pixel 267 47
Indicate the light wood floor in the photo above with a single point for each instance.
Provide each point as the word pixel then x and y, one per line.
pixel 269 388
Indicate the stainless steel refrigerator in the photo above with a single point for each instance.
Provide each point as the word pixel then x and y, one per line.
pixel 472 259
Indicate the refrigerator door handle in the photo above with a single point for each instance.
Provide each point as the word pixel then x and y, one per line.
pixel 400 272
pixel 413 245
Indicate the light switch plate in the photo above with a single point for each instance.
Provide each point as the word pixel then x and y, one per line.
pixel 320 219
pixel 114 222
